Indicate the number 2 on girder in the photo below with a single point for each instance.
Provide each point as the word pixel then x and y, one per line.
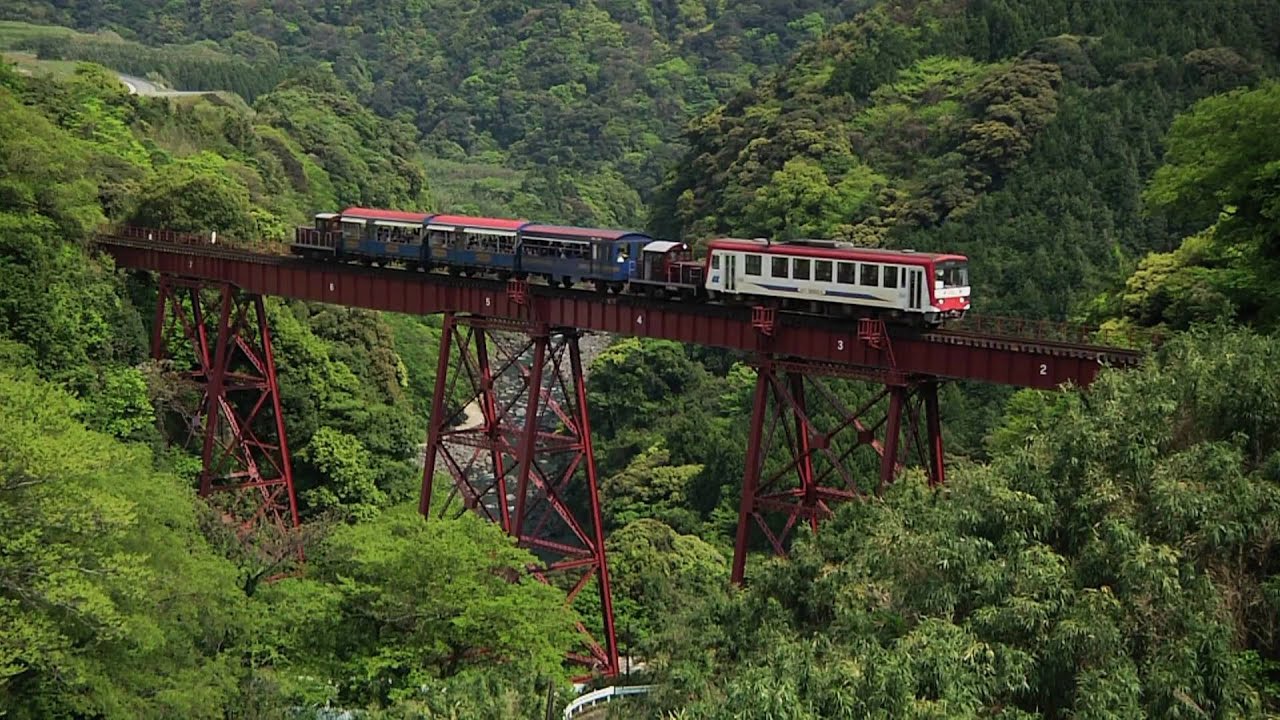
pixel 1044 369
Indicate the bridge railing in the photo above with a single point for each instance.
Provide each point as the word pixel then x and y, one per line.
pixel 1052 331
pixel 168 237
pixel 585 702
pixel 173 237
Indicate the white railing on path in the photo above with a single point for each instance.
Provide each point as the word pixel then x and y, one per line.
pixel 603 695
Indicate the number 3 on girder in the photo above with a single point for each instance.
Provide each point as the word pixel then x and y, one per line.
pixel 840 345
pixel 1044 369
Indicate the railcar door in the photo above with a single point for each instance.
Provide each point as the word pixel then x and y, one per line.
pixel 915 285
pixel 731 272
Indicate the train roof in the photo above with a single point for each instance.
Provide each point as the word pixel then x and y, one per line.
pixel 376 214
pixel 831 249
pixel 570 232
pixel 662 246
pixel 478 223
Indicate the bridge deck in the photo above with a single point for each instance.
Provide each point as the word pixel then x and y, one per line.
pixel 952 354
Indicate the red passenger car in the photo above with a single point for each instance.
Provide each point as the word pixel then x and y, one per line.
pixel 840 279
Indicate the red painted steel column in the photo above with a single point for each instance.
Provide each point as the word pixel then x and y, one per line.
pixel 892 434
pixel 937 467
pixel 597 521
pixel 273 387
pixel 216 380
pixel 804 454
pixel 164 296
pixel 528 443
pixel 751 475
pixel 493 426
pixel 436 422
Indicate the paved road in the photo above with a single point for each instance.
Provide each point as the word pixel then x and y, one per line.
pixel 141 86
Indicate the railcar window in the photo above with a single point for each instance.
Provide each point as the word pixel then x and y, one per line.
pixel 800 269
pixel 752 266
pixel 952 274
pixel 779 269
pixel 870 275
pixel 891 276
pixel 845 274
pixel 822 270
pixel 715 262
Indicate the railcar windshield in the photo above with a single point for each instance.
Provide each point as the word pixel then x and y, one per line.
pixel 952 273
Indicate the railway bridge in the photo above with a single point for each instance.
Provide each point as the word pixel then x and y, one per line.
pixel 537 448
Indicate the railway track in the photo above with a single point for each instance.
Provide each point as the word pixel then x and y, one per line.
pixel 989 332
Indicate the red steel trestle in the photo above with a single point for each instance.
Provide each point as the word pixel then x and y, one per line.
pixel 801 446
pixel 246 471
pixel 515 450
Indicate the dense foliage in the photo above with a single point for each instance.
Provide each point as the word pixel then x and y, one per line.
pixel 121 593
pixel 584 99
pixel 1222 174
pixel 1021 134
pixel 1116 560
pixel 1097 554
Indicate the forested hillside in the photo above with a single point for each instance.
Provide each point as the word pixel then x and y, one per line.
pixel 1101 554
pixel 586 98
pixel 1022 134
pixel 122 594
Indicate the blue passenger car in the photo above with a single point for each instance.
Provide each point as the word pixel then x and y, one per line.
pixel 568 255
pixel 474 244
pixel 382 235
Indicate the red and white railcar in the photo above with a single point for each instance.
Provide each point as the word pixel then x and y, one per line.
pixel 823 276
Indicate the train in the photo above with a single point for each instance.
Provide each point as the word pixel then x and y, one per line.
pixel 814 276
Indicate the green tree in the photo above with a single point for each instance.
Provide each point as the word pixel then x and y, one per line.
pixel 111 600
pixel 650 487
pixel 1096 566
pixel 196 195
pixel 396 606
pixel 349 483
pixel 1222 166
pixel 655 572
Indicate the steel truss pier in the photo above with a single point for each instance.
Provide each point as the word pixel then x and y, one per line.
pixel 525 455
pixel 220 340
